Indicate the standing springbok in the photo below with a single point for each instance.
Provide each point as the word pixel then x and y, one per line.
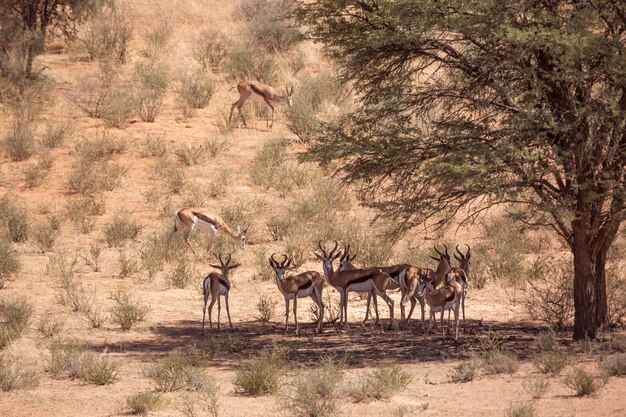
pixel 443 265
pixel 396 273
pixel 360 280
pixel 440 300
pixel 259 91
pixel 464 264
pixel 215 285
pixel 305 284
pixel 187 219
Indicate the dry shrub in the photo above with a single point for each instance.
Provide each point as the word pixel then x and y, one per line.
pixel 95 317
pixel 204 401
pixel 616 297
pixel 209 48
pixel 121 105
pixel 13 375
pixel 550 362
pixel 15 314
pixel 50 326
pixel 121 229
pixel 177 371
pixel 195 90
pixel 92 258
pixel 54 135
pixel 34 175
pixel 172 175
pixel 151 79
pixel 155 146
pixel 72 291
pixel 143 402
pixel 521 410
pixel 99 370
pixel 44 236
pixel 157 39
pixel 182 274
pixel 382 383
pixel 14 220
pixel 263 271
pixel 262 374
pixel 245 63
pixel 506 263
pixel 190 155
pixel 549 295
pixel 69 358
pixel 80 210
pixel 128 265
pixel 463 372
pixel 9 261
pixel 314 393
pixel 20 143
pixel 584 383
pixel 160 248
pixel 126 312
pixel 614 365
pixel 94 90
pixel 494 357
pixel 268 25
pixel 108 34
pixel 265 309
pixel 536 387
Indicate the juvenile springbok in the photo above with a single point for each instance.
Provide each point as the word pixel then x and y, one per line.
pixel 360 280
pixel 215 285
pixel 305 284
pixel 187 219
pixel 440 300
pixel 259 91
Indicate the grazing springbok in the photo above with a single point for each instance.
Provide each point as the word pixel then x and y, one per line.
pixel 215 285
pixel 259 91
pixel 305 284
pixel 187 219
pixel 359 280
pixel 396 273
pixel 440 300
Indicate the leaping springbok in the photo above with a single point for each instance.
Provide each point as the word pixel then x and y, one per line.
pixel 259 91
pixel 187 219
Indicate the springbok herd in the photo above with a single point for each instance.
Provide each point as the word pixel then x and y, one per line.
pixel 443 289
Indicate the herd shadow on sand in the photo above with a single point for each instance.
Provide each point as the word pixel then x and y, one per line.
pixel 360 346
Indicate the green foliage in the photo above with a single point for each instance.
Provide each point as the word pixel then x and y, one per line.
pixel 15 314
pixel 143 402
pixel 182 274
pixel 126 312
pixel 382 383
pixel 551 362
pixel 262 374
pixel 70 358
pixel 99 370
pixel 13 375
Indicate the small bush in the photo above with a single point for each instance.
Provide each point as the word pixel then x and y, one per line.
pixel 209 48
pixel 99 370
pixel 49 326
pixel 142 402
pixel 521 410
pixel 547 341
pixel 494 357
pixel 54 135
pixel 94 91
pixel 80 210
pixel 157 39
pixel 195 90
pixel 72 291
pixel 108 35
pixel 15 314
pixel 151 78
pixel 182 274
pixel 95 317
pixel 245 63
pixel 20 143
pixel 171 174
pixel 45 237
pixel 126 312
pixel 265 309
pixel 92 259
pixel 159 249
pixel 536 387
pixel 155 146
pixel 128 266
pixel 614 365
pixel 9 261
pixel 14 375
pixel 14 220
pixel 190 155
pixel 463 372
pixel 202 402
pixel 315 393
pixel 270 28
pixel 382 383
pixel 104 145
pixel 262 374
pixel 121 229
pixel 120 106
pixel 34 175
pixel 175 372
pixel 584 383
pixel 552 362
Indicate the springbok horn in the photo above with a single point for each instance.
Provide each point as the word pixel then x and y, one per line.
pixel 319 245
pixel 437 250
pixel 273 261
pixel 332 252
pixel 467 255
pixel 283 264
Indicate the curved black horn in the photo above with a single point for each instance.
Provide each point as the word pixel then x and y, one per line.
pixel 220 258
pixel 273 261
pixel 332 252
pixel 319 245
pixel 437 250
pixel 283 264
pixel 467 255
pixel 230 257
pixel 446 249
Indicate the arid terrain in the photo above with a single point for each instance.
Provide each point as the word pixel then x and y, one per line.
pixel 139 173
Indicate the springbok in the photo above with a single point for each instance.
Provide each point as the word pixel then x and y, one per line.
pixel 259 91
pixel 305 284
pixel 215 285
pixel 464 264
pixel 440 300
pixel 360 280
pixel 187 219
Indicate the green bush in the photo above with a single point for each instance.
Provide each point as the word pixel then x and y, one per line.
pixel 536 387
pixel 99 370
pixel 175 372
pixel 143 402
pixel 80 210
pixel 551 362
pixel 584 383
pixel 244 62
pixel 382 383
pixel 15 314
pixel 262 374
pixel 69 358
pixel 126 312
pixel 182 274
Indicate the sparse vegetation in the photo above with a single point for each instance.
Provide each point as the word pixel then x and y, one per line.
pixel 494 357
pixel 182 274
pixel 265 309
pixel 463 372
pixel 70 358
pixel 195 90
pixel 128 265
pixel 209 48
pixel 45 237
pixel 108 34
pixel 190 155
pixel 550 362
pixel 143 402
pixel 382 383
pixel 202 402
pixel 20 143
pixel 536 387
pixel 93 256
pixel 175 372
pixel 614 365
pixel 121 229
pixel 9 261
pixel 54 135
pixel 14 220
pixel 15 314
pixel 126 312
pixel 314 393
pixel 261 375
pixel 584 383
pixel 50 326
pixel 13 375
pixel 80 211
pixel 171 174
pixel 521 410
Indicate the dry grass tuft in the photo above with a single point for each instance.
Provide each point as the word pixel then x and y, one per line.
pixel 584 383
pixel 14 375
pixel 15 314
pixel 143 402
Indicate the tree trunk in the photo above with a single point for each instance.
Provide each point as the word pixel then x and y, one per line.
pixel 590 300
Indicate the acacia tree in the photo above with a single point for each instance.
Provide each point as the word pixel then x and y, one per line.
pixel 469 104
pixel 29 22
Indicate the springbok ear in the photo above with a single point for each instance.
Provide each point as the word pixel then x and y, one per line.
pixel 457 258
pixel 234 266
pixel 436 259
pixel 318 256
pixel 215 266
pixel 352 258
